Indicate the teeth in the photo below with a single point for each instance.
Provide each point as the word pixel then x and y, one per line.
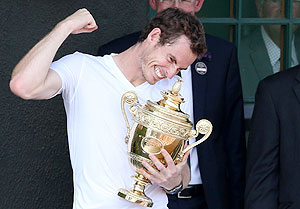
pixel 158 72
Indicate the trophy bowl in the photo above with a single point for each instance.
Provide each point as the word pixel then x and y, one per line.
pixel 156 126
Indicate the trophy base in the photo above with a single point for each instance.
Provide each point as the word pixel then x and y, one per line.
pixel 141 199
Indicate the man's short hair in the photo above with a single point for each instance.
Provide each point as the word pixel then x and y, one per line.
pixel 174 23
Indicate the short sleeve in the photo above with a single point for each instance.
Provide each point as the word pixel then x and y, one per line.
pixel 69 68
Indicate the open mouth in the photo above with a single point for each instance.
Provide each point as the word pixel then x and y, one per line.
pixel 159 72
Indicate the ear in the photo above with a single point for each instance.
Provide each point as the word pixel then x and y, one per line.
pixel 259 8
pixel 198 5
pixel 154 36
pixel 152 4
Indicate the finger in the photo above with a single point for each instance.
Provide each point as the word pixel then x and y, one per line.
pixel 90 28
pixel 186 144
pixel 85 30
pixel 92 23
pixel 152 174
pixel 150 169
pixel 168 158
pixel 145 173
pixel 185 156
pixel 148 176
pixel 82 21
pixel 157 162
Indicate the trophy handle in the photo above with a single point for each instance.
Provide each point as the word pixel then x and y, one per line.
pixel 203 127
pixel 130 98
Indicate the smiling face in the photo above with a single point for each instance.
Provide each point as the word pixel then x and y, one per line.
pixel 171 41
pixel 159 62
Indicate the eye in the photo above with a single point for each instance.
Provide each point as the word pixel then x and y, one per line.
pixel 180 69
pixel 172 60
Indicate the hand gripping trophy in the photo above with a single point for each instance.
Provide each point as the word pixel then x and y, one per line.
pixel 156 126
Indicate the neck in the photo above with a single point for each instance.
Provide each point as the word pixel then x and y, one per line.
pixel 130 65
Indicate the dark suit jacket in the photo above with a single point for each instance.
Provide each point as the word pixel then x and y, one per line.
pixel 273 164
pixel 217 97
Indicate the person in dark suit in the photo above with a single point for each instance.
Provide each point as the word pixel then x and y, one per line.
pixel 273 159
pixel 218 164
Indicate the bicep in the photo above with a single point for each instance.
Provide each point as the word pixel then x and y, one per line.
pixel 50 87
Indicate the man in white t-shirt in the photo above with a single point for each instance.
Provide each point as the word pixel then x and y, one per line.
pixel 92 88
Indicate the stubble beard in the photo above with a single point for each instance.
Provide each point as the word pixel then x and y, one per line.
pixel 144 70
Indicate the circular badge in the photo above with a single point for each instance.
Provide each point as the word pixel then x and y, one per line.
pixel 201 68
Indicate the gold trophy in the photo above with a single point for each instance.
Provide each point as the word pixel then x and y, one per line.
pixel 157 125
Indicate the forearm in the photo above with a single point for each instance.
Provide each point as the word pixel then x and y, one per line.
pixel 30 73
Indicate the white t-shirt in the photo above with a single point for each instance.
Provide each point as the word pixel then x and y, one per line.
pixel 92 88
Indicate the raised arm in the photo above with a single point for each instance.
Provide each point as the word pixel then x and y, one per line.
pixel 31 78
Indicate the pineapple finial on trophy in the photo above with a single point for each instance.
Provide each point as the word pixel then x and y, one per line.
pixel 172 98
pixel 177 86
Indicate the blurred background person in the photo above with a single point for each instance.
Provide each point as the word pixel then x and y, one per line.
pixel 260 50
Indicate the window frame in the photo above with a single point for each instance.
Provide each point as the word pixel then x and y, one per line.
pixel 236 21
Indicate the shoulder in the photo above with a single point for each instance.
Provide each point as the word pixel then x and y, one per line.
pixel 222 53
pixel 255 35
pixel 73 56
pixel 281 80
pixel 220 49
pixel 77 61
pixel 79 57
pixel 284 76
pixel 215 42
pixel 252 43
pixel 69 60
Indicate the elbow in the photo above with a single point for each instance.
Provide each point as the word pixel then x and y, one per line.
pixel 19 89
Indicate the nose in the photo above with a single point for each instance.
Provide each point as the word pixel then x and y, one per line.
pixel 172 71
pixel 175 4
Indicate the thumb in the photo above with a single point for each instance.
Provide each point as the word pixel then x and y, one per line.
pixel 185 157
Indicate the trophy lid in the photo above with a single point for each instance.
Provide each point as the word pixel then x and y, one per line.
pixel 169 106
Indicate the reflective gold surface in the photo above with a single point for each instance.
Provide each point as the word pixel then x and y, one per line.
pixel 157 126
